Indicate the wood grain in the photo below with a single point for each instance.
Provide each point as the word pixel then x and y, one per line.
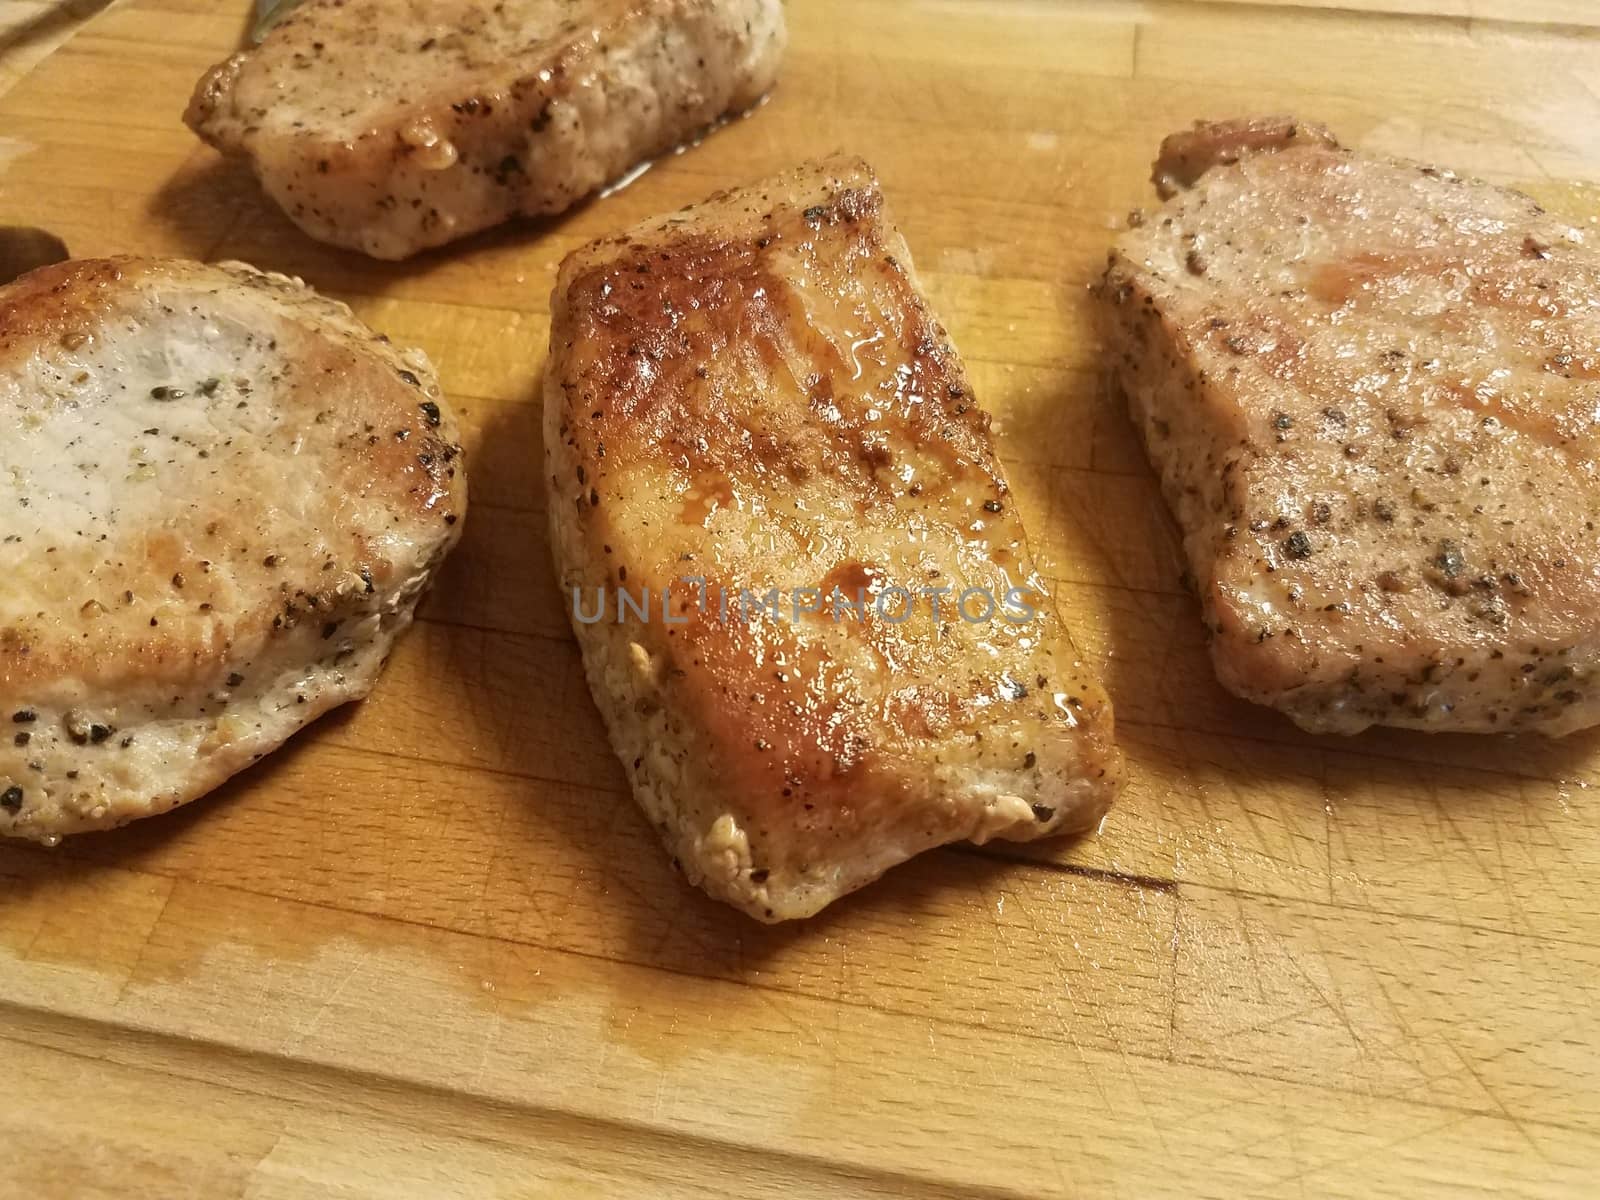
pixel 431 949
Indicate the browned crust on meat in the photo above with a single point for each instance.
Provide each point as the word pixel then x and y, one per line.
pixel 746 307
pixel 695 377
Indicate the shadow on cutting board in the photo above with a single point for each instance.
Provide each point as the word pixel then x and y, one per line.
pixel 213 208
pixel 199 205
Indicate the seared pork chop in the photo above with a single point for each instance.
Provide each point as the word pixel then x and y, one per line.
pixel 224 497
pixel 389 128
pixel 1370 388
pixel 752 395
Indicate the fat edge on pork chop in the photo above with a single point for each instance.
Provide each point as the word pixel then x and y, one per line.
pixel 1370 390
pixel 392 128
pixel 754 394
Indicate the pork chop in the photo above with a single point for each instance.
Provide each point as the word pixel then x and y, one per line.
pixel 391 128
pixel 751 410
pixel 224 496
pixel 1371 389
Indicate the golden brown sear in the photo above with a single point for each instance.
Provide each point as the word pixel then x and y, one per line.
pixel 751 412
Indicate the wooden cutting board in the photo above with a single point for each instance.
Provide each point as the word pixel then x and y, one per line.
pixel 430 949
